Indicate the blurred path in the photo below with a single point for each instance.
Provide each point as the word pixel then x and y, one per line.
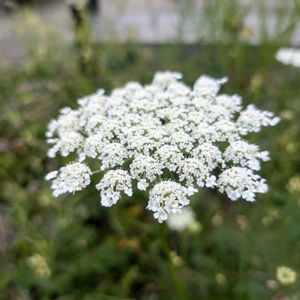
pixel 148 21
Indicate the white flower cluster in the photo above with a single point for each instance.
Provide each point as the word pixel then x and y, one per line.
pixel 112 184
pixel 70 178
pixel 289 56
pixel 168 197
pixel 165 138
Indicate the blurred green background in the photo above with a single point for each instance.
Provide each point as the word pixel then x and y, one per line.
pixel 71 247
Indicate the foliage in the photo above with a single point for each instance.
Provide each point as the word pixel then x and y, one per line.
pixel 72 248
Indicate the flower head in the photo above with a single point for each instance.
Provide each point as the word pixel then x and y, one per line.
pixel 112 184
pixel 164 138
pixel 168 197
pixel 286 275
pixel 70 178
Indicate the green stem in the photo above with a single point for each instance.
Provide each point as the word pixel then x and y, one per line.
pixel 181 292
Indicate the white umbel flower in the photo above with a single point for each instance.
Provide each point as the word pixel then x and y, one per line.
pixel 145 169
pixel 70 178
pixel 253 119
pixel 208 154
pixel 166 138
pixel 192 171
pixel 170 157
pixel 112 155
pixel 112 184
pixel 92 146
pixel 240 182
pixel 206 85
pixel 244 154
pixel 289 56
pixel 68 143
pixel 168 197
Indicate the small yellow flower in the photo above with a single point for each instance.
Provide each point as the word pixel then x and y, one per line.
pixel 287 114
pixel 220 279
pixel 39 265
pixel 194 227
pixel 293 185
pixel 256 82
pixel 291 147
pixel 242 222
pixel 271 217
pixel 286 275
pixel 176 259
pixel 135 210
pixel 247 32
pixel 217 219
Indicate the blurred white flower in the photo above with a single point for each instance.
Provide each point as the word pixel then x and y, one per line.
pixel 182 220
pixel 165 138
pixel 289 56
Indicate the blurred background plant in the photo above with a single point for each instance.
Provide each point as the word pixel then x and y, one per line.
pixel 71 247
